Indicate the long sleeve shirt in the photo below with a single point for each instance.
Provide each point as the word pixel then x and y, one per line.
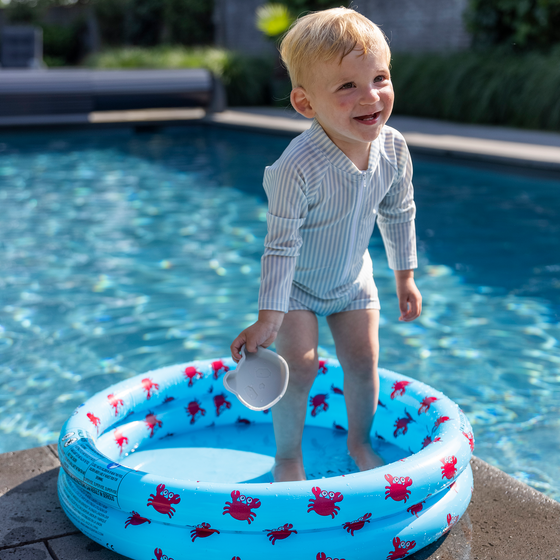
pixel 322 210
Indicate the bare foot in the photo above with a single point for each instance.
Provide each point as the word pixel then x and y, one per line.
pixel 286 470
pixel 366 458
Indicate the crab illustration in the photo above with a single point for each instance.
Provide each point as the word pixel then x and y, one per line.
pixel 402 548
pixel 94 420
pixel 448 469
pixel 318 402
pixel 470 439
pixel 401 424
pixel 163 500
pixel 426 403
pixel 398 488
pixel 217 368
pixel 202 531
pixel 428 440
pixel 323 367
pixel 152 422
pixel 192 374
pixel 358 524
pixel 416 508
pixel 240 507
pixel 323 556
pixel 451 520
pixel 136 519
pixel 281 533
pixel 160 555
pixel 194 408
pixel 115 402
pixel 324 503
pixel 120 439
pixel 441 420
pixel 149 385
pixel 399 388
pixel 221 403
pixel 336 390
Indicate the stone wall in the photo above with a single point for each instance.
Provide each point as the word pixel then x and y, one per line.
pixel 410 25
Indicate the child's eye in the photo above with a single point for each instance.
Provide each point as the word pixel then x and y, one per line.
pixel 348 85
pixel 380 78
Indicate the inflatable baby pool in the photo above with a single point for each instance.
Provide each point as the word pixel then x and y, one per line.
pixel 130 482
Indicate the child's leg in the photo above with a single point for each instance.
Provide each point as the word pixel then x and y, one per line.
pixel 297 343
pixel 356 339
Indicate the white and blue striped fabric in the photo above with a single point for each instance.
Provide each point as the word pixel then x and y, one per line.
pixel 321 213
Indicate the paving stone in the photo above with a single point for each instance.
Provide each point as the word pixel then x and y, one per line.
pixel 80 547
pixel 29 506
pixel 36 551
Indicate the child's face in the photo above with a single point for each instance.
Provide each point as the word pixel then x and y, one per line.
pixel 351 100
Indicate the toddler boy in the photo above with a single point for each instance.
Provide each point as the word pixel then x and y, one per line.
pixel 325 193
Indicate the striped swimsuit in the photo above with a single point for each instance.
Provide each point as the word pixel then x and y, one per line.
pixel 321 214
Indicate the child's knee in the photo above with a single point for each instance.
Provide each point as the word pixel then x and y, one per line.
pixel 303 373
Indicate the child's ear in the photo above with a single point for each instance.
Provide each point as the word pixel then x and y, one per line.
pixel 301 103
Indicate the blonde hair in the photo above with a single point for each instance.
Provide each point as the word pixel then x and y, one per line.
pixel 322 36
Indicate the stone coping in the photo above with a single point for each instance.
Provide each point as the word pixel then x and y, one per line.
pixel 506 520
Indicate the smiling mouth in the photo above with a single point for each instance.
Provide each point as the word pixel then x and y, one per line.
pixel 368 118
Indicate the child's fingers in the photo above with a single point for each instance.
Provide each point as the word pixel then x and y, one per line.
pixel 236 347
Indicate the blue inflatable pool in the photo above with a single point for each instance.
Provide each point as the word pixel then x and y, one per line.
pixel 149 471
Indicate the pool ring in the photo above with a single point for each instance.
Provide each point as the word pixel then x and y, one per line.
pixel 385 513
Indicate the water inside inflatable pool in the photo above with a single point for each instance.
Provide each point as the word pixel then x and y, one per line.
pixel 121 253
pixel 227 454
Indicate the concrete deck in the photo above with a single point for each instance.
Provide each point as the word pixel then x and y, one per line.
pixel 506 519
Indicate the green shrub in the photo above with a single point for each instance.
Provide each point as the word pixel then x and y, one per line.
pixel 527 24
pixel 245 78
pixel 491 87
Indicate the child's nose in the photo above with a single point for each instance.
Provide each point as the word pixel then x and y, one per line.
pixel 371 95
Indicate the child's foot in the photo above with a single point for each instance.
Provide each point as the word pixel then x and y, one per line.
pixel 287 470
pixel 366 458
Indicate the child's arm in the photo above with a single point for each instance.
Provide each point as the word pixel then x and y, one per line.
pixel 262 333
pixel 410 299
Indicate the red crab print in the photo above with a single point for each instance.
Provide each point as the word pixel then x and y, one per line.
pixel 324 503
pixel 401 424
pixel 323 367
pixel 152 422
pixel 281 533
pixel 336 390
pixel 163 500
pixel 399 388
pixel 358 524
pixel 194 408
pixel 416 508
pixel 402 548
pixel 217 368
pixel 202 531
pixel 448 470
pixel 470 439
pixel 318 402
pixel 221 403
pixel 426 403
pixel 242 421
pixel 94 420
pixel 323 556
pixel 120 440
pixel 240 507
pixel 398 488
pixel 451 520
pixel 115 402
pixel 136 519
pixel 160 555
pixel 192 374
pixel 441 420
pixel 149 385
pixel 428 440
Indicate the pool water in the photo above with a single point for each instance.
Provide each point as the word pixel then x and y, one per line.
pixel 123 252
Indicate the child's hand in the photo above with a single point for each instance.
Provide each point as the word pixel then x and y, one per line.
pixel 410 298
pixel 262 333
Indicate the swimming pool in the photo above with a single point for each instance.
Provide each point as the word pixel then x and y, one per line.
pixel 123 252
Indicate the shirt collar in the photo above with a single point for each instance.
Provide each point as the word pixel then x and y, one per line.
pixel 335 155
